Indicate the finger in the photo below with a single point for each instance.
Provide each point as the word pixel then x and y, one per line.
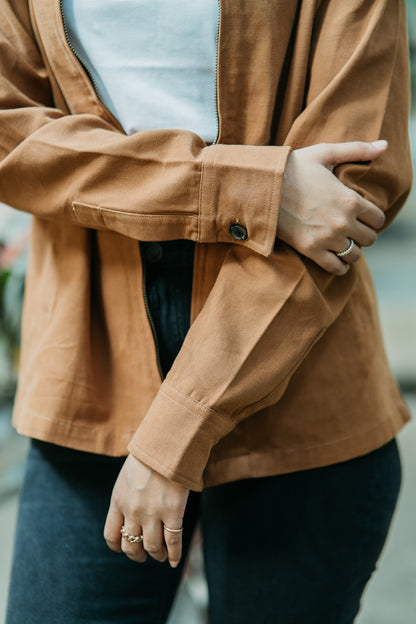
pixel 173 541
pixel 133 551
pixel 370 214
pixel 363 235
pixel 350 207
pixel 153 541
pixel 352 256
pixel 333 154
pixel 328 261
pixel 113 524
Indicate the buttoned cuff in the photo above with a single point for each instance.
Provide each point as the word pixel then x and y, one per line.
pixel 240 195
pixel 174 424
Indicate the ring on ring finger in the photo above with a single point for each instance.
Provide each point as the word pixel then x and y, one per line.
pixel 348 250
pixel 132 539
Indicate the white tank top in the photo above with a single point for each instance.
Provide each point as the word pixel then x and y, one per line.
pixel 153 61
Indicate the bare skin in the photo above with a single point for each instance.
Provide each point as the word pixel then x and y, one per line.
pixel 143 500
pixel 318 215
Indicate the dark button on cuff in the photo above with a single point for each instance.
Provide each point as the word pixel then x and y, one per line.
pixel 238 231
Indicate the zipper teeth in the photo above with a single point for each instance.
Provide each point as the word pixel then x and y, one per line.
pixel 77 56
pixel 151 322
pixel 217 41
pixel 94 84
pixel 97 92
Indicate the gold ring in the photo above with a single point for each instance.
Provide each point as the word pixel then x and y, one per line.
pixel 133 539
pixel 341 254
pixel 172 530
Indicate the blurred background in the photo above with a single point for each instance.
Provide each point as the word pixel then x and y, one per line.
pixel 391 595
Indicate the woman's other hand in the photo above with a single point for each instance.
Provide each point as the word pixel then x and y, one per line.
pixel 144 501
pixel 318 214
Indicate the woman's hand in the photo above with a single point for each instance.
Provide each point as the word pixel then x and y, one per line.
pixel 143 501
pixel 318 214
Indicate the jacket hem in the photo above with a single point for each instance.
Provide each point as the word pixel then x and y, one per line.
pixel 264 463
pixel 99 441
pixel 284 461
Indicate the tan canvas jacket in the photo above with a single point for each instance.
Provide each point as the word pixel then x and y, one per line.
pixel 283 368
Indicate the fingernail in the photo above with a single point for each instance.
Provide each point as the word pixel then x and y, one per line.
pixel 173 564
pixel 380 143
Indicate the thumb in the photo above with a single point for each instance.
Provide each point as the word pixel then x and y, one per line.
pixel 334 154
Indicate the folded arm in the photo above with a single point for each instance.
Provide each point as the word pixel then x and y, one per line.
pixel 242 350
pixel 153 185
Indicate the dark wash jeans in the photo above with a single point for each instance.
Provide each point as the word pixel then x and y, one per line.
pixel 289 549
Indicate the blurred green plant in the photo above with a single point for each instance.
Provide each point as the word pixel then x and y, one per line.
pixel 13 261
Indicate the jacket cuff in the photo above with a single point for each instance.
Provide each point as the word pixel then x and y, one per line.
pixel 174 424
pixel 241 186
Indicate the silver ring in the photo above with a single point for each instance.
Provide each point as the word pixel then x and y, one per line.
pixel 341 254
pixel 172 530
pixel 133 539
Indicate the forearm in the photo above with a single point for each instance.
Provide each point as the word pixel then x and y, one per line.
pixel 259 323
pixel 81 169
pixel 155 185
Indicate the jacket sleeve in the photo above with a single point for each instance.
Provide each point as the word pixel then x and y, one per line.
pixel 153 185
pixel 242 350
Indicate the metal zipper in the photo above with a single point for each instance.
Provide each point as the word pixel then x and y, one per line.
pixel 150 319
pixel 217 41
pixel 79 58
pixel 89 73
